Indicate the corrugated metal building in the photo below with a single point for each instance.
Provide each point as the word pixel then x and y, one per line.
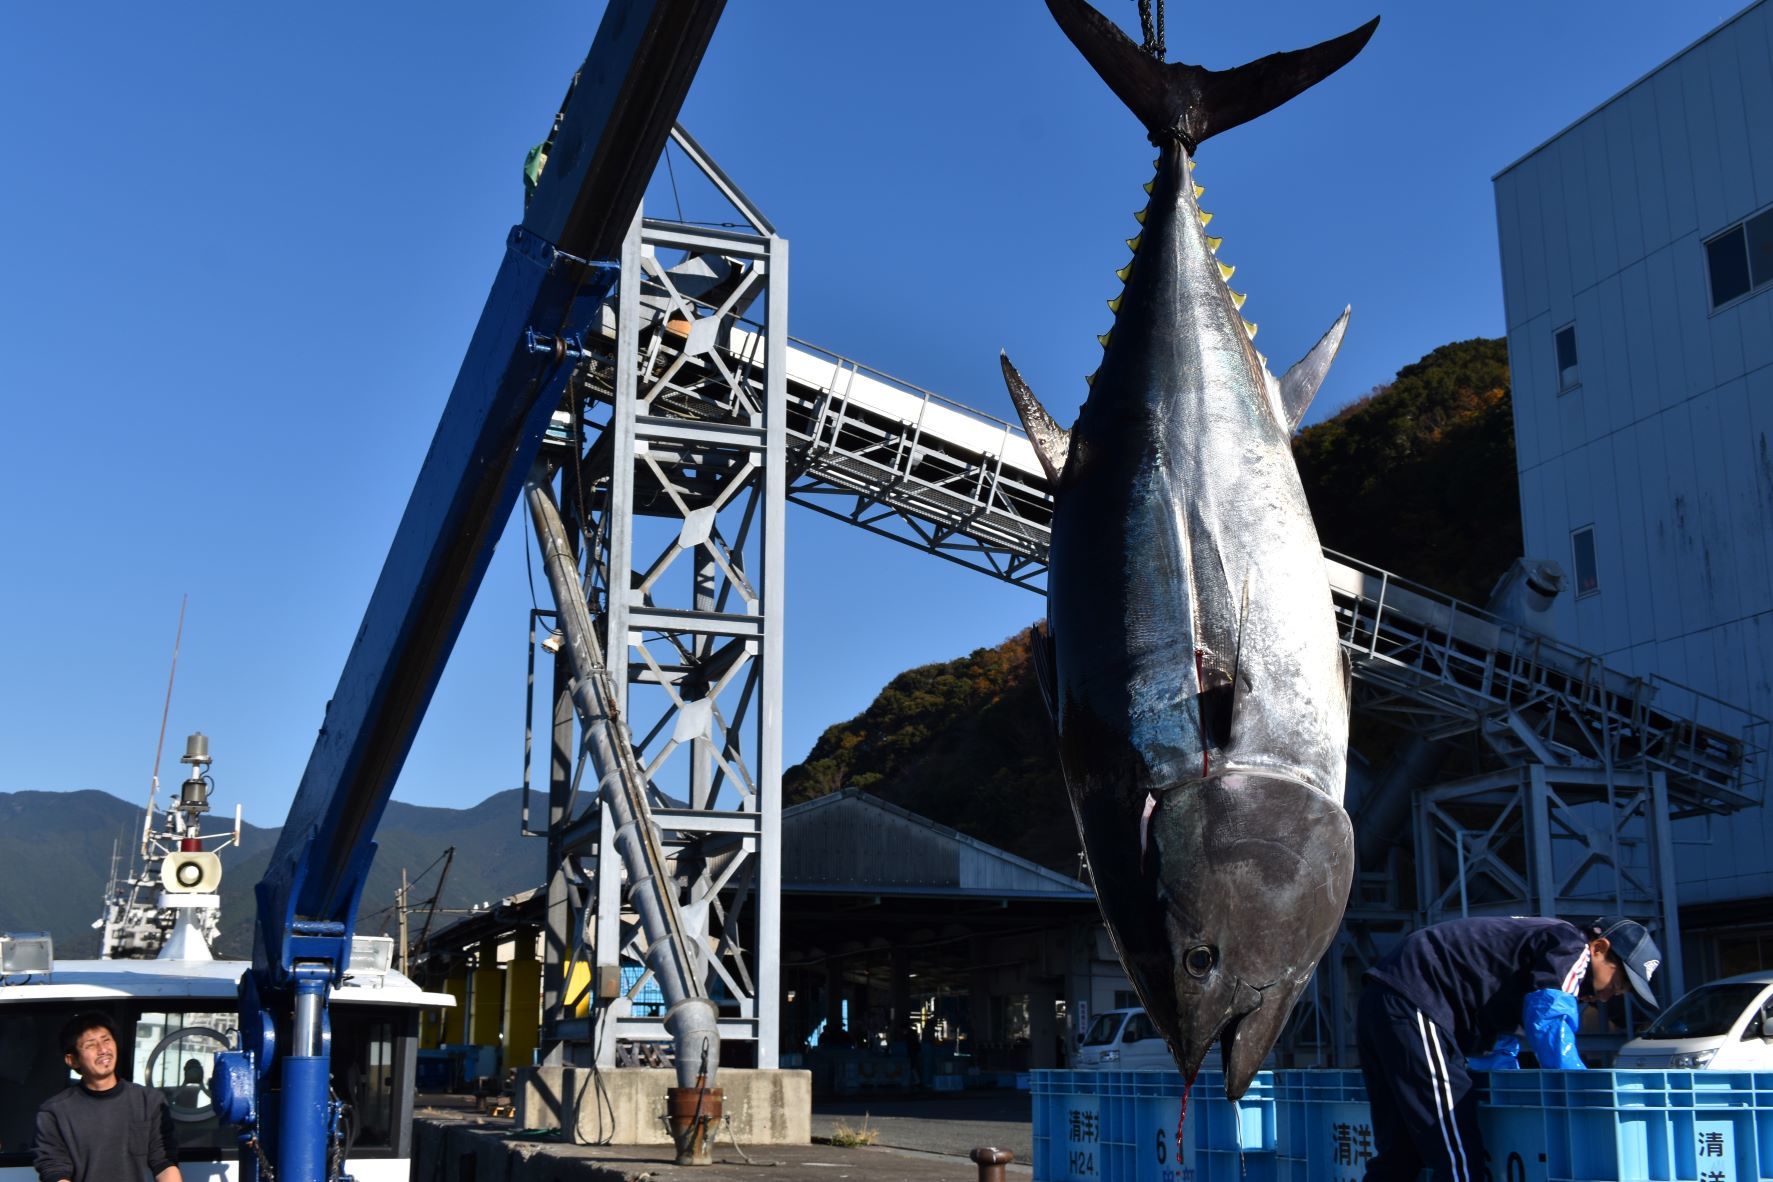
pixel 888 919
pixel 1637 265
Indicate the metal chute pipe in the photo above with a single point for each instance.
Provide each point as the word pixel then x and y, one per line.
pixel 676 961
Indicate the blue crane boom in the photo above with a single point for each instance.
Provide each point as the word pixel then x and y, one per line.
pixel 550 284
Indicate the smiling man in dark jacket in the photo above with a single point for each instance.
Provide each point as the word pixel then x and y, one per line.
pixel 1447 992
pixel 103 1129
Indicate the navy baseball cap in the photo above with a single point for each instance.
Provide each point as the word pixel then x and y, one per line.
pixel 1635 950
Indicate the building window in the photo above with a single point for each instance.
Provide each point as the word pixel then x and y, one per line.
pixel 1588 580
pixel 1741 259
pixel 1566 342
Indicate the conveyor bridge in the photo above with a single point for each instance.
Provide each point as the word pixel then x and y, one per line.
pixel 931 472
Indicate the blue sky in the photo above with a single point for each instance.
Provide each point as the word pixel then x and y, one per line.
pixel 242 248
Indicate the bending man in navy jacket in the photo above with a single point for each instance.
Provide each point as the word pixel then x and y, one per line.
pixel 1447 992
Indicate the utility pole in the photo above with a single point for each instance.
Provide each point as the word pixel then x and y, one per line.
pixel 400 906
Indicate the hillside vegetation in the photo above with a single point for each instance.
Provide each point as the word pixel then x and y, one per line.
pixel 1418 478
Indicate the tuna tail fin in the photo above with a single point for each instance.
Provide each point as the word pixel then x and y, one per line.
pixel 1301 383
pixel 1052 443
pixel 1191 103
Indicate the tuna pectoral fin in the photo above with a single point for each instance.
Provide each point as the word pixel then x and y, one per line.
pixel 1300 385
pixel 1052 443
pixel 1189 100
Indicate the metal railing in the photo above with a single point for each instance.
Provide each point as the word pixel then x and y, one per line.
pixel 909 464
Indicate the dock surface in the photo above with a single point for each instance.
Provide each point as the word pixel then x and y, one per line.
pixel 920 1139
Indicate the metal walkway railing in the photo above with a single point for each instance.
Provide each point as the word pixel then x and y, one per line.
pixel 909 464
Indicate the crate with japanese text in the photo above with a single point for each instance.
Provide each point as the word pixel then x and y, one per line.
pixel 1117 1125
pixel 1315 1126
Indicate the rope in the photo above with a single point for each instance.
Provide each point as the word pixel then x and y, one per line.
pixel 1154 33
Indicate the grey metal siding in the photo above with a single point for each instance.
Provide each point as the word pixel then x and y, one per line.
pixel 1664 445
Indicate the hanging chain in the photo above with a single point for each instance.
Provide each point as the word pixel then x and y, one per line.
pixel 1154 32
pixel 266 1173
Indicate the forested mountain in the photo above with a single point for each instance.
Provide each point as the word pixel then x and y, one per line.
pixel 55 857
pixel 1418 478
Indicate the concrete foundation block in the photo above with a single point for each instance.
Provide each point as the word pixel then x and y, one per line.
pixel 539 1096
pixel 626 1106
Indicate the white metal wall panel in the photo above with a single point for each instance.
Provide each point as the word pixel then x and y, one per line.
pixel 1509 236
pixel 1578 409
pixel 1634 550
pixel 1573 170
pixel 1760 669
pixel 1670 326
pixel 1647 393
pixel 1553 223
pixel 1758 512
pixel 1526 443
pixel 1726 344
pixel 1755 60
pixel 1671 132
pixel 1652 484
pixel 1742 492
pixel 1532 231
pixel 1621 197
pixel 1648 184
pixel 1702 142
pixel 1542 378
pixel 1681 514
pixel 1610 614
pixel 1671 660
pixel 1756 322
pixel 1591 137
pixel 1716 534
pixel 1725 67
pixel 1694 295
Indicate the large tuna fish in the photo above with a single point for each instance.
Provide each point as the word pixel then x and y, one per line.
pixel 1199 692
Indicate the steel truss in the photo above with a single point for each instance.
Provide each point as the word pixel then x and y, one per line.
pixel 674 464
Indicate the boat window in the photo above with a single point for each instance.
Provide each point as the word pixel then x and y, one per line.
pixel 31 1071
pixel 1102 1030
pixel 175 1052
pixel 1707 1012
pixel 363 1074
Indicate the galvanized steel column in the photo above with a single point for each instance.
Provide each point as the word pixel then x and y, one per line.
pixel 769 769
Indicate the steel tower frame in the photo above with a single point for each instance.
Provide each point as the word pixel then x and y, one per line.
pixel 671 459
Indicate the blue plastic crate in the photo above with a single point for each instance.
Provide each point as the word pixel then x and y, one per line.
pixel 1315 1126
pixel 1121 1125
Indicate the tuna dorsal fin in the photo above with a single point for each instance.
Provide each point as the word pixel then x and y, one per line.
pixel 1300 385
pixel 1190 101
pixel 1052 443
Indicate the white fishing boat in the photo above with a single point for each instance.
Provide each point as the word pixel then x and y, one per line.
pixel 176 1007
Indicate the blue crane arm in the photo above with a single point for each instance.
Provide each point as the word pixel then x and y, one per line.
pixel 617 117
pixel 503 397
pixel 614 127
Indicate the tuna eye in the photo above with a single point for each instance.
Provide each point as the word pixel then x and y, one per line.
pixel 1199 960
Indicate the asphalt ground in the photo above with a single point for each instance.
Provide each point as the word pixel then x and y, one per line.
pixel 920 1138
pixel 950 1123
